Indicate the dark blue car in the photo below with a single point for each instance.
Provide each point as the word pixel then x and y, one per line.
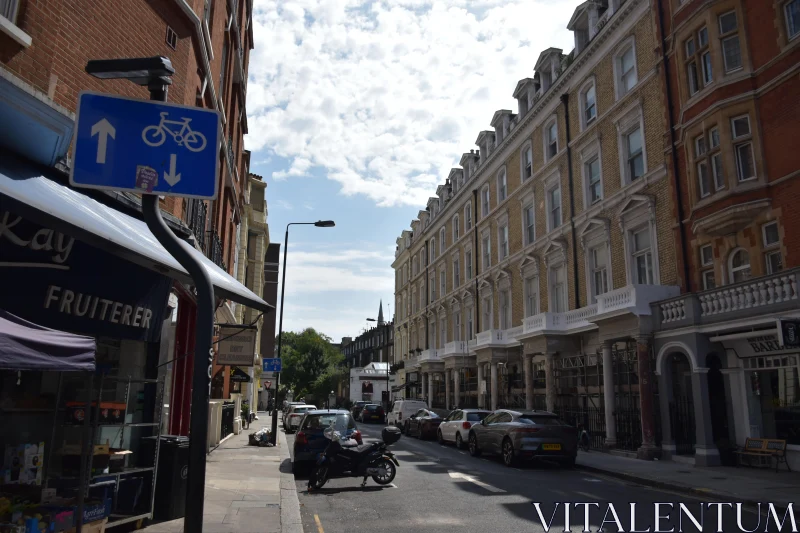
pixel 310 440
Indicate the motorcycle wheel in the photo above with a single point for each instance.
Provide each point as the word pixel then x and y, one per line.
pixel 318 478
pixel 387 476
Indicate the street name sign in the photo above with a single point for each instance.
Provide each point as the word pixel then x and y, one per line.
pixel 145 146
pixel 271 365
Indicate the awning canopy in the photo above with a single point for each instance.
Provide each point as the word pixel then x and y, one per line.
pixel 28 346
pixel 51 204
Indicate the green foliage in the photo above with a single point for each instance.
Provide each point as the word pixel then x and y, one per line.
pixel 309 364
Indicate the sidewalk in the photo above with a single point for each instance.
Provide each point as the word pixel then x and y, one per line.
pixel 248 489
pixel 744 484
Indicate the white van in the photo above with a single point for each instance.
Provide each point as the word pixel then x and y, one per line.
pixel 402 409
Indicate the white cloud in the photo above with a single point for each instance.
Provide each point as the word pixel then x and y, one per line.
pixel 285 205
pixel 326 284
pixel 386 96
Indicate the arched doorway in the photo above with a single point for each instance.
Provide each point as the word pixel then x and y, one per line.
pixel 681 404
pixel 719 411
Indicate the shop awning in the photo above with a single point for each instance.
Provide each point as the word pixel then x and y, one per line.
pixel 28 346
pixel 51 204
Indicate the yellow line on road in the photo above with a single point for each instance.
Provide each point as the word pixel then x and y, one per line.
pixel 319 524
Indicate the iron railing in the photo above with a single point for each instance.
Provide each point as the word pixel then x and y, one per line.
pixel 196 214
pixel 215 248
pixel 682 427
pixel 593 420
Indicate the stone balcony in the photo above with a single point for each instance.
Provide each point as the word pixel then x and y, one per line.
pixel 412 363
pixel 497 338
pixel 430 355
pixel 631 299
pixel 775 293
pixel 456 348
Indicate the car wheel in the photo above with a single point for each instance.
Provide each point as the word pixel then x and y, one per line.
pixel 459 441
pixel 474 451
pixel 439 436
pixel 508 453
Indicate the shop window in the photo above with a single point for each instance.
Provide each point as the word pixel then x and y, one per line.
pixel 729 38
pixel 739 266
pixel 773 389
pixel 772 255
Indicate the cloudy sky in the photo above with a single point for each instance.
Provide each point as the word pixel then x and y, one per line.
pixel 357 110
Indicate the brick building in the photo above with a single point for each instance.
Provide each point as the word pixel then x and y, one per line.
pixel 44 48
pixel 528 278
pixel 730 92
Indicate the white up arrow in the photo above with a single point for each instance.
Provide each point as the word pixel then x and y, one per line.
pixel 103 129
pixel 170 177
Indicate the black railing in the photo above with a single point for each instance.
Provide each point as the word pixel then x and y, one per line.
pixel 215 248
pixel 196 213
pixel 226 422
pixel 681 414
pixel 591 419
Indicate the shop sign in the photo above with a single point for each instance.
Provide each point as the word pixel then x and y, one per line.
pixel 789 333
pixel 238 375
pixel 236 347
pixel 759 345
pixel 56 281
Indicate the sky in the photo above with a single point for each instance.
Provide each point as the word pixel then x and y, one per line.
pixel 357 111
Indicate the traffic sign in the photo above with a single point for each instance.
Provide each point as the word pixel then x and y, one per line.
pixel 124 144
pixel 267 385
pixel 272 365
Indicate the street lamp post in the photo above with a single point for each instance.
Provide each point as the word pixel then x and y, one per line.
pixel 319 224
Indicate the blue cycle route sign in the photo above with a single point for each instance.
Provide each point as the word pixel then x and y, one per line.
pixel 271 365
pixel 124 144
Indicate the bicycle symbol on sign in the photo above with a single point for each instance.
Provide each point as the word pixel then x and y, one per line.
pixel 178 129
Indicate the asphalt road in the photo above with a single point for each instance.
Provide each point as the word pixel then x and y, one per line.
pixel 439 488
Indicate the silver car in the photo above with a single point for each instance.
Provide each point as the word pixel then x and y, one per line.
pixel 295 416
pixel 516 435
pixel 455 427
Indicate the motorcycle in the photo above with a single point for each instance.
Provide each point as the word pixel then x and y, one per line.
pixel 349 459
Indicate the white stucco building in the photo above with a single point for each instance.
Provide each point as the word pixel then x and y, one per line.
pixel 369 382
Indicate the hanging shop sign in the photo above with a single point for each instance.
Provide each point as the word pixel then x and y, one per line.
pixel 759 345
pixel 238 375
pixel 237 347
pixel 53 279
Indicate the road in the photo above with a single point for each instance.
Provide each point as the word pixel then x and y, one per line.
pixel 442 489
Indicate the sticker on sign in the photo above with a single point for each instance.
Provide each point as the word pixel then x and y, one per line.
pixel 145 146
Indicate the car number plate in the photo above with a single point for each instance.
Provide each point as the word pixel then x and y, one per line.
pixel 551 447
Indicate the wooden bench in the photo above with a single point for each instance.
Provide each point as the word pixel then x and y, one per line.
pixel 764 449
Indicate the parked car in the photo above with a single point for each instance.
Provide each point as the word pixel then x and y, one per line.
pixel 296 414
pixel 422 424
pixel 286 409
pixel 310 440
pixel 401 410
pixel 371 412
pixel 357 407
pixel 519 435
pixel 455 427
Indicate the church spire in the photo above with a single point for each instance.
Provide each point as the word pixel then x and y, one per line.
pixel 380 314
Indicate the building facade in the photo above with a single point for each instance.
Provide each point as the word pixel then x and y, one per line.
pixel 376 345
pixel 730 91
pixel 527 280
pixel 44 48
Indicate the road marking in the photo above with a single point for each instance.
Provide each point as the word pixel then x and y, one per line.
pixel 319 524
pixel 459 475
pixel 592 480
pixel 590 496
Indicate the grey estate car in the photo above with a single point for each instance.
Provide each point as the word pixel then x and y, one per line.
pixel 516 435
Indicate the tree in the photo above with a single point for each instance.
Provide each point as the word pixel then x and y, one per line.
pixel 309 363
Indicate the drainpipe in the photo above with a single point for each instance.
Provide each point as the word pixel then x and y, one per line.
pixel 475 256
pixel 565 101
pixel 427 294
pixel 675 177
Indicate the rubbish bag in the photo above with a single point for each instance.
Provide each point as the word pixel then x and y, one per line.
pixel 260 438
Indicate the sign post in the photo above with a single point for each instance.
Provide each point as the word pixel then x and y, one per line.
pixel 155 148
